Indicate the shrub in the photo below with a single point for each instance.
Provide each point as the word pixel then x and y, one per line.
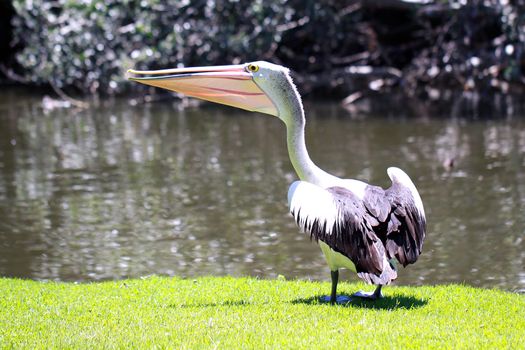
pixel 88 45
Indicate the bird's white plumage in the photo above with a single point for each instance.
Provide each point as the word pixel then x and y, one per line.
pixel 355 186
pixel 399 176
pixel 314 203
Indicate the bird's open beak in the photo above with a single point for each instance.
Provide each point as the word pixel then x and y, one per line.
pixel 229 85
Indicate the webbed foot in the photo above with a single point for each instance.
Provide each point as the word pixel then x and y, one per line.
pixel 369 295
pixel 340 299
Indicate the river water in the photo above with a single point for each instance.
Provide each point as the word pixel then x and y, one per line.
pixel 122 190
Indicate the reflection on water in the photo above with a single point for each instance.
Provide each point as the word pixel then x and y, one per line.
pixel 125 191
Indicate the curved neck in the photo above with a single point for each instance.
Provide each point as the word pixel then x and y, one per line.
pixel 303 165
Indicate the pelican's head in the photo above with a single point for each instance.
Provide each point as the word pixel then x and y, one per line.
pixel 257 86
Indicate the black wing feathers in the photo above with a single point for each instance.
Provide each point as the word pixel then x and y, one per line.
pixel 406 228
pixel 363 247
pixel 370 232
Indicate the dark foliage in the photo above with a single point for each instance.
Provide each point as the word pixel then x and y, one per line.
pixel 333 46
pixel 6 13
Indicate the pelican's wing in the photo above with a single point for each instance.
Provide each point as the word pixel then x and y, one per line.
pixel 406 227
pixel 340 219
pixel 407 224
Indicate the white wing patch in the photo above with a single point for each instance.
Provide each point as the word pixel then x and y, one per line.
pixel 310 203
pixel 399 176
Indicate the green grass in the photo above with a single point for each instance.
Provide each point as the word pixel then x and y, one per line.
pixel 245 313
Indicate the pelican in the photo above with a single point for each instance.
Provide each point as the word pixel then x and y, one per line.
pixel 358 226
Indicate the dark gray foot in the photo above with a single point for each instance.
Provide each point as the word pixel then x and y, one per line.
pixel 340 299
pixel 369 295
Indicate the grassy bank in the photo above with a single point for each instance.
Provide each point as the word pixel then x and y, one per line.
pixel 250 313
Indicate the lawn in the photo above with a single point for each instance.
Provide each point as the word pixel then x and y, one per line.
pixel 243 313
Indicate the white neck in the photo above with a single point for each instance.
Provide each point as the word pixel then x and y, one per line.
pixel 303 165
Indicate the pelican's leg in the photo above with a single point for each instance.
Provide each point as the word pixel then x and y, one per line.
pixel 335 280
pixel 370 295
pixel 333 298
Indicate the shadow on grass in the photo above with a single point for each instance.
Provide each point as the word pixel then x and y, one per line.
pixel 386 303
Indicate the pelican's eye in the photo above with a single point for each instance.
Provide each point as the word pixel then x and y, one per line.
pixel 253 68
